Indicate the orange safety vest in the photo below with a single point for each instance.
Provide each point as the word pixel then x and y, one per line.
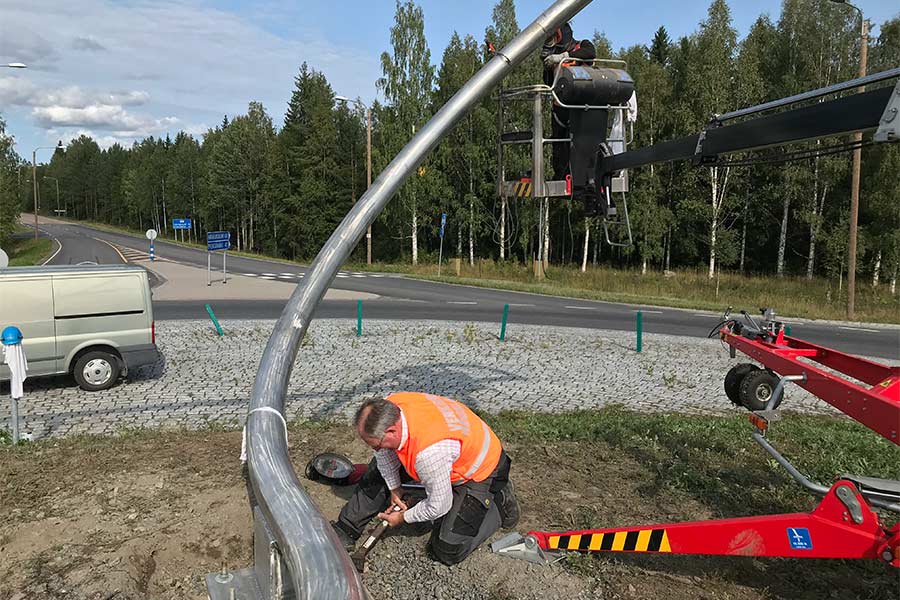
pixel 430 419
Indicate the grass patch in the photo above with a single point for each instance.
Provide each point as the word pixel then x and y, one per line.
pixel 714 459
pixel 690 288
pixel 26 251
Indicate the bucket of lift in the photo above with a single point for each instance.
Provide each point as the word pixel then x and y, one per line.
pixel 594 94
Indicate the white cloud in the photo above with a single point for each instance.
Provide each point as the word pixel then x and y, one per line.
pixel 192 62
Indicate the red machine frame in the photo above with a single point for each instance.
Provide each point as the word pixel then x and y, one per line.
pixel 843 525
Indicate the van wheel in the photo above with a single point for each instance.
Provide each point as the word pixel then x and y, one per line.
pixel 96 370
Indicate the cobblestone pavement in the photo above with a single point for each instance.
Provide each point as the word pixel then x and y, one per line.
pixel 204 379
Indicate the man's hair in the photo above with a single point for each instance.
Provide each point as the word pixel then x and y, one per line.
pixel 382 414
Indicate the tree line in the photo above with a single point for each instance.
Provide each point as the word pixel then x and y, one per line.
pixel 282 189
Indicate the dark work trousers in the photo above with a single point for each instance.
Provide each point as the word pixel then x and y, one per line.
pixel 472 518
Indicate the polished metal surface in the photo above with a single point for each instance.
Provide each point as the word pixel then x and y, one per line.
pixel 319 567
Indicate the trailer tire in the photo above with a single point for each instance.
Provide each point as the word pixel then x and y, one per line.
pixel 757 387
pixel 733 380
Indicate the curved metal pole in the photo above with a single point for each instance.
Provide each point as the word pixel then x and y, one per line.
pixel 319 567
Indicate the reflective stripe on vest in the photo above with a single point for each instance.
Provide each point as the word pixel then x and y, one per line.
pixel 485 446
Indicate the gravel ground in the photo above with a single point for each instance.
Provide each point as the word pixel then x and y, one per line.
pixel 205 379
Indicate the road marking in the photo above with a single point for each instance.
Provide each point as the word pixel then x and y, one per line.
pixel 521 304
pixel 462 303
pixel 359 276
pixel 860 329
pixel 342 276
pixel 52 256
pixel 250 274
pixel 655 312
pixel 119 252
pixel 270 274
pixel 289 274
pixel 267 277
pixel 709 316
pixel 582 307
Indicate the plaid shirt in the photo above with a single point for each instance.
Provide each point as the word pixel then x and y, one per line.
pixel 434 466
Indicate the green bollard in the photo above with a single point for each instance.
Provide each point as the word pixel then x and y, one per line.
pixel 214 320
pixel 503 323
pixel 640 330
pixel 358 318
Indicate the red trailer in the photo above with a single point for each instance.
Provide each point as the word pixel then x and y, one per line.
pixel 843 525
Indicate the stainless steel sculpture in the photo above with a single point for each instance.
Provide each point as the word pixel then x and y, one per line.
pixel 318 566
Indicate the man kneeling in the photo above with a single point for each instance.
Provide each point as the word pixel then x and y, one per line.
pixel 452 452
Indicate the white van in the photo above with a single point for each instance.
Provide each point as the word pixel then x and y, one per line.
pixel 94 322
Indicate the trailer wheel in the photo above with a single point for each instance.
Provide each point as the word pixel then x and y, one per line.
pixel 733 380
pixel 756 389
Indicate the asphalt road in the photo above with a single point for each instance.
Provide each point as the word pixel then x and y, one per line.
pixel 404 298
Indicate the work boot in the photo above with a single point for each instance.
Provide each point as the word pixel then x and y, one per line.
pixel 348 539
pixel 508 506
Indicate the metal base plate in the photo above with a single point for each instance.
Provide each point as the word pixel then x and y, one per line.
pixel 243 582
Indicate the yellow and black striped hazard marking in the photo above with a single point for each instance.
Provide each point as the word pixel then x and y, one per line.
pixel 522 189
pixel 642 540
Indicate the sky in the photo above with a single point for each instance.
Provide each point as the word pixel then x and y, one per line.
pixel 121 70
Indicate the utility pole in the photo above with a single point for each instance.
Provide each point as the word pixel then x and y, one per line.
pixel 34 181
pixel 855 169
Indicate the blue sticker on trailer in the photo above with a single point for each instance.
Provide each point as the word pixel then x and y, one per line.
pixel 799 538
pixel 218 245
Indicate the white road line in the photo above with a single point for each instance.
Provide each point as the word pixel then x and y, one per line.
pixel 289 274
pixel 58 250
pixel 249 274
pixel 521 304
pixel 267 277
pixel 582 307
pixel 860 329
pixel 462 303
pixel 359 276
pixel 374 275
pixel 119 252
pixel 342 276
pixel 655 312
pixel 709 316
pixel 270 274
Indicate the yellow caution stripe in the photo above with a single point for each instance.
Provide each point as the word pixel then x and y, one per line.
pixel 638 540
pixel 522 189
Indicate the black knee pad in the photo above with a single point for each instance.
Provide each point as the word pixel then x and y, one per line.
pixel 448 554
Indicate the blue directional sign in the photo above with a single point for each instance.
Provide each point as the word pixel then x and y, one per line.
pixel 218 236
pixel 443 223
pixel 217 245
pixel 182 224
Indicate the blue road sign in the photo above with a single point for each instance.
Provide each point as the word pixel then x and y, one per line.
pixel 212 246
pixel 443 223
pixel 181 224
pixel 218 236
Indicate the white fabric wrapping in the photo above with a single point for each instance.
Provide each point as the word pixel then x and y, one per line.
pixel 14 358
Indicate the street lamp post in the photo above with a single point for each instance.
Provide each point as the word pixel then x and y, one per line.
pixel 56 181
pixel 34 180
pixel 368 165
pixel 855 170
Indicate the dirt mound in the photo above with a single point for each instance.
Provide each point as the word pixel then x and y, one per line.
pixel 148 515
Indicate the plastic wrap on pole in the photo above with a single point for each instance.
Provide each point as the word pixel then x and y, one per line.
pixel 319 567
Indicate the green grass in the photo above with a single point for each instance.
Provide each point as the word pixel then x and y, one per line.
pixel 27 251
pixel 692 289
pixel 714 458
